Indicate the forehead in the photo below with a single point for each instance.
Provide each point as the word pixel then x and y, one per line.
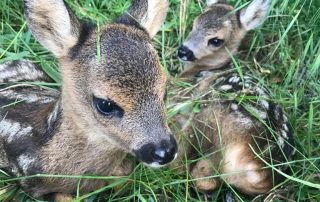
pixel 128 63
pixel 215 17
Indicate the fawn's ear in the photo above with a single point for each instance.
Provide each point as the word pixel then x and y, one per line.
pixel 149 14
pixel 211 2
pixel 254 15
pixel 53 25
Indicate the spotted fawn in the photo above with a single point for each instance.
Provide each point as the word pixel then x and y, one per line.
pixel 110 105
pixel 240 128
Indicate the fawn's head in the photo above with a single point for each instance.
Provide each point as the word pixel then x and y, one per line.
pixel 218 31
pixel 115 96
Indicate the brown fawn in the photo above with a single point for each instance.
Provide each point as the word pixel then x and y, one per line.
pixel 109 105
pixel 238 126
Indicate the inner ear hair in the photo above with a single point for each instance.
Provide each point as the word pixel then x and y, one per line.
pixel 53 24
pixel 254 14
pixel 149 14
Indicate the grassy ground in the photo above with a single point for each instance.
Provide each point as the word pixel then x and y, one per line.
pixel 287 46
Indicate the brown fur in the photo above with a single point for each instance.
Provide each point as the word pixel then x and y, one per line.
pixel 229 136
pixel 149 14
pixel 214 22
pixel 77 139
pixel 218 21
pixel 226 137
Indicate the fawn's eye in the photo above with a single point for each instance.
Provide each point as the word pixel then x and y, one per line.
pixel 215 42
pixel 107 108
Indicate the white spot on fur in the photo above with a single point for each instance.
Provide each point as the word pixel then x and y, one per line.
pixel 280 142
pixel 205 74
pixel 15 171
pixel 24 70
pixel 244 120
pixel 201 76
pixel 234 107
pixel 257 112
pixel 225 87
pixel 13 130
pixel 260 91
pixel 284 134
pixel 234 79
pixel 8 128
pixel 253 15
pixel 227 23
pixel 285 118
pixel 247 122
pixel 28 98
pixel 247 85
pixel 265 104
pixel 25 161
pixel 276 113
pixel 285 127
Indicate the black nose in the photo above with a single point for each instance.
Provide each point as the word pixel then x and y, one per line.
pixel 157 155
pixel 185 54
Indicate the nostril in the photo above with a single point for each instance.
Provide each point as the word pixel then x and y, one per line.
pixel 166 152
pixel 158 155
pixel 182 50
pixel 164 156
pixel 184 53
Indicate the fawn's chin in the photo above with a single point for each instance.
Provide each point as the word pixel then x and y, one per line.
pixel 184 60
pixel 154 165
pixel 157 164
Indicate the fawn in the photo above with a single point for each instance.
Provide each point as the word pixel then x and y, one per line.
pixel 108 106
pixel 242 134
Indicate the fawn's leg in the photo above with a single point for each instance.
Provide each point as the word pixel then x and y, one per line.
pixel 60 197
pixel 244 170
pixel 203 169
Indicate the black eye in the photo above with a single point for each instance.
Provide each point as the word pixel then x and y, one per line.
pixel 107 108
pixel 215 42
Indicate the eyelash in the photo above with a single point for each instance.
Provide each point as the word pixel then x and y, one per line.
pixel 107 108
pixel 216 42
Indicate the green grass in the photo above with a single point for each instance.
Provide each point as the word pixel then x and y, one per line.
pixel 287 48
